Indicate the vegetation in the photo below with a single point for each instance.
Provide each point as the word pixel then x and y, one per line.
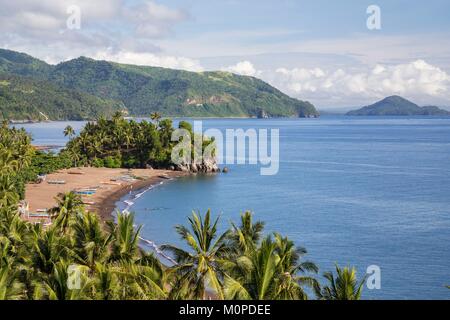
pixel 143 90
pixel 121 143
pixel 27 99
pixel 344 286
pixel 397 106
pixel 15 156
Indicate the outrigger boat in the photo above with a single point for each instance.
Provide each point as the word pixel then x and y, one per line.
pixel 76 172
pixel 56 182
pixel 85 193
pixel 38 215
pixel 111 183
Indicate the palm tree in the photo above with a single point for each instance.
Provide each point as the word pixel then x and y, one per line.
pixel 10 287
pixel 68 204
pixel 246 237
pixel 55 285
pixel 69 131
pixel 8 191
pixel 8 161
pixel 269 272
pixel 105 284
pixel 291 284
pixel 200 268
pixel 125 238
pixel 344 286
pixel 89 242
pixel 155 116
pixel 46 248
pixel 13 236
pixel 139 282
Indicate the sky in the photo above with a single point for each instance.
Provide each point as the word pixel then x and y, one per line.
pixel 315 50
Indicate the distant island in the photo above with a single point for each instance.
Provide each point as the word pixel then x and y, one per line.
pixel 31 89
pixel 397 106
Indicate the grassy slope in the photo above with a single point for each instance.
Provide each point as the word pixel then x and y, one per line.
pixel 24 98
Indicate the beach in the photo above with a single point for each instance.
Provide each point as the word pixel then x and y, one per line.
pixel 109 184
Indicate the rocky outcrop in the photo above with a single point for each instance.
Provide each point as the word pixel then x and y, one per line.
pixel 206 166
pixel 262 114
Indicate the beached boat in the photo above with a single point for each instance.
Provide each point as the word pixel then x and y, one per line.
pixel 38 215
pixel 56 182
pixel 85 193
pixel 76 172
pixel 112 183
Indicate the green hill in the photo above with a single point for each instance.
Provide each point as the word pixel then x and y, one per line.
pixel 144 90
pixel 397 106
pixel 24 98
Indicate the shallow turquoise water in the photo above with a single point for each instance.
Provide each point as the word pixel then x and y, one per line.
pixel 359 191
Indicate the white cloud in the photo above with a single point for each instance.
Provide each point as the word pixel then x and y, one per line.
pixel 153 20
pixel 149 59
pixel 39 28
pixel 245 68
pixel 418 80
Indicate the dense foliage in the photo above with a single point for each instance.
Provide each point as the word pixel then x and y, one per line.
pixel 170 92
pixel 16 154
pixel 36 262
pixel 119 143
pixel 26 99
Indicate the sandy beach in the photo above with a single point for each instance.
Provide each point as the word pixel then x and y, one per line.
pixel 42 196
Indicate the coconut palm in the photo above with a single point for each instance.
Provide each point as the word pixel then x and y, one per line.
pixel 68 205
pixel 13 236
pixel 8 162
pixel 69 132
pixel 344 286
pixel 125 238
pixel 140 282
pixel 8 191
pixel 269 272
pixel 246 236
pixel 47 247
pixel 155 116
pixel 10 287
pixel 293 270
pixel 105 284
pixel 55 286
pixel 201 267
pixel 90 244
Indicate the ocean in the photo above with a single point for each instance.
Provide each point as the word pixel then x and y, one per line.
pixel 355 191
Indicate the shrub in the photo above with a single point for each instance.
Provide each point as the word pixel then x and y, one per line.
pixel 98 163
pixel 112 162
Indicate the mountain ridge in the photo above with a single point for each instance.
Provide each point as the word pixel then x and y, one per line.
pixel 144 89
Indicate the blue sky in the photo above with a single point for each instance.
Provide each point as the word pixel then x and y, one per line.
pixel 318 50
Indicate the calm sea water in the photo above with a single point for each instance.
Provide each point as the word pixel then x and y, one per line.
pixel 357 191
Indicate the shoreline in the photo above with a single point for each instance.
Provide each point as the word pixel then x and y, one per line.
pixel 109 186
pixel 106 208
